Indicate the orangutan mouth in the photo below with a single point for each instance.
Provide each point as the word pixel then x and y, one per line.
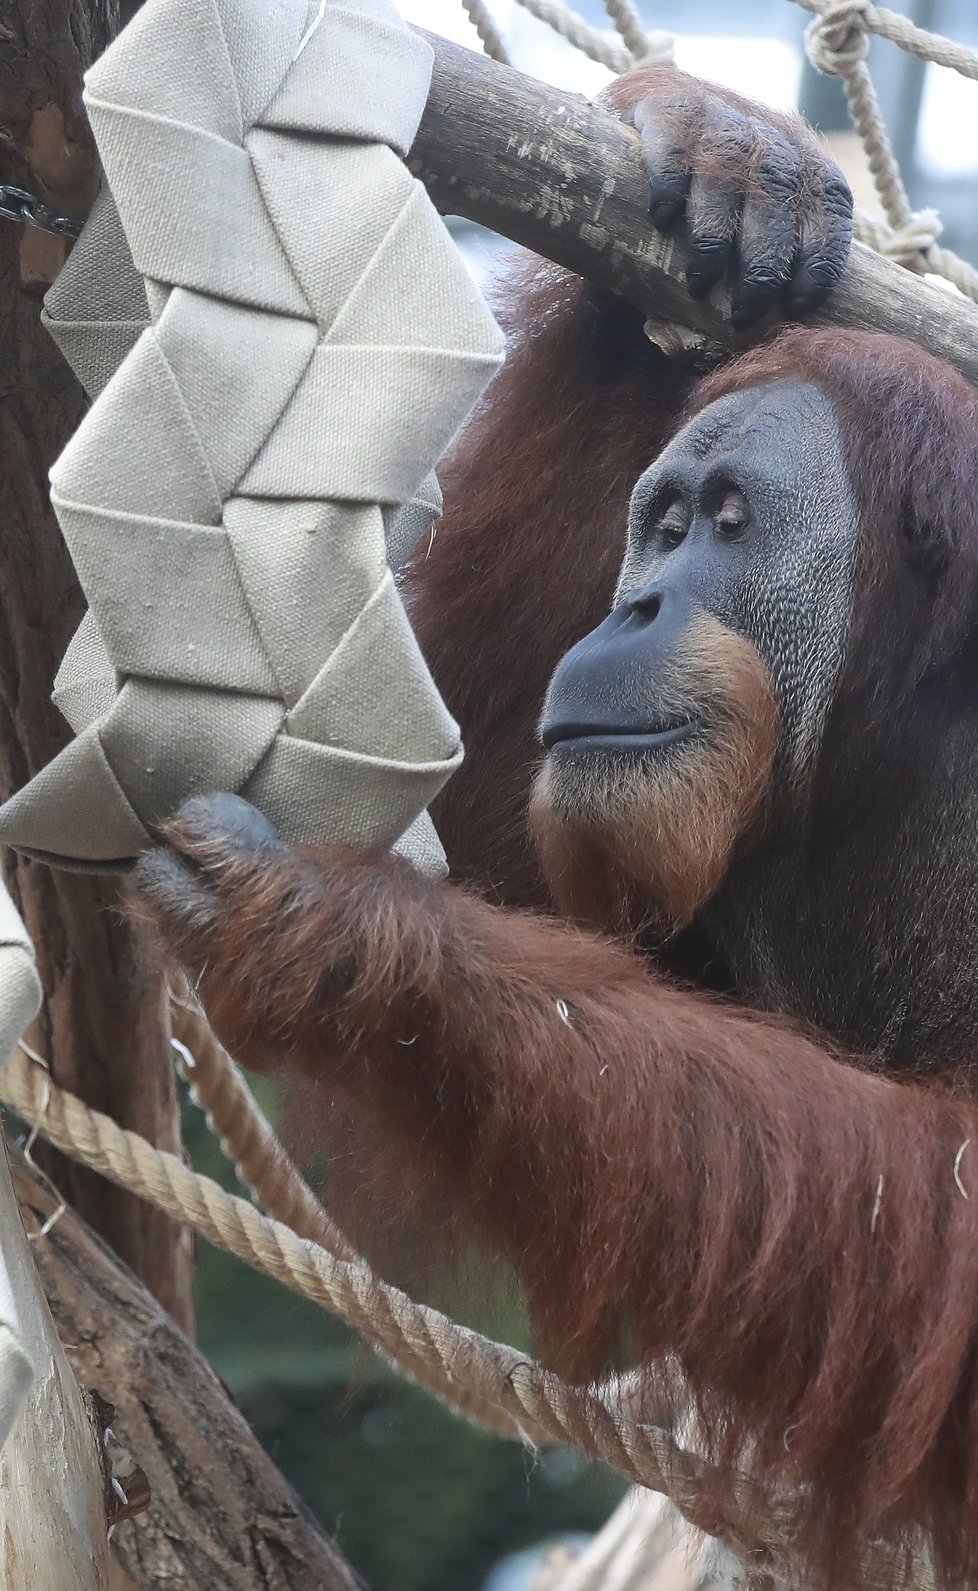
pixel 577 737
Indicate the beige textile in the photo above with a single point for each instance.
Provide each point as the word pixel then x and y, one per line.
pixel 645 1545
pixel 20 997
pixel 313 342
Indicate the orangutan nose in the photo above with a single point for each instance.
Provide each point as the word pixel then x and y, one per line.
pixel 644 605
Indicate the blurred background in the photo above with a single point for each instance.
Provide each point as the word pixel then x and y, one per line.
pixel 418 1500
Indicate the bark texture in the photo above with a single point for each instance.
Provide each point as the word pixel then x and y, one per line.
pixel 220 1516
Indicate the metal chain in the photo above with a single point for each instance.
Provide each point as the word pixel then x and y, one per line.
pixel 19 204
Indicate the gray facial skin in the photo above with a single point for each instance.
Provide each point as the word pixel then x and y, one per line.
pixel 749 515
pixel 859 911
pixel 816 922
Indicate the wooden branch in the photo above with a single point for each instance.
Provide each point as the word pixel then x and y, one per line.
pixel 219 1513
pixel 563 178
pixel 103 1023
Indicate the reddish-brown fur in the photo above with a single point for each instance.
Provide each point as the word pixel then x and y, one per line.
pixel 787 1236
pixel 641 853
pixel 525 558
pixel 778 1232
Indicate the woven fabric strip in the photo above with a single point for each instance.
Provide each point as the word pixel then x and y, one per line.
pixel 299 341
pixel 20 998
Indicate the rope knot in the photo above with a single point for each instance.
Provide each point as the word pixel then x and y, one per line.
pixel 836 41
pixel 660 49
pixel 910 244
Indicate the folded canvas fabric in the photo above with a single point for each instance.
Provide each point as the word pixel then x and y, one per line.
pixel 20 998
pixel 299 341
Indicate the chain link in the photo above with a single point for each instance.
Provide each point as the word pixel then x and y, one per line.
pixel 18 204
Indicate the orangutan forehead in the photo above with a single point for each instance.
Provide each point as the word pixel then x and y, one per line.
pixel 784 426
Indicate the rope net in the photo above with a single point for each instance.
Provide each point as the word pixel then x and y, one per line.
pixel 837 43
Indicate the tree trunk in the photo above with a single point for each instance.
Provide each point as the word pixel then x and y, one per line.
pixel 103 1023
pixel 220 1516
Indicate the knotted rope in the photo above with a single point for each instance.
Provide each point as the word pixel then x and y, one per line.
pixel 907 35
pixel 837 44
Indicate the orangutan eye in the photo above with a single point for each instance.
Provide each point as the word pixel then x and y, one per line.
pixel 672 526
pixel 733 515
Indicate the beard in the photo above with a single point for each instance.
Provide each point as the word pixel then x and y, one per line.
pixel 637 842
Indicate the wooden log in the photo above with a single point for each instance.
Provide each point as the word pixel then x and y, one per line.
pixel 565 178
pixel 103 1024
pixel 219 1513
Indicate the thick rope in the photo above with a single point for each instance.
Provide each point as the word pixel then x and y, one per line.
pixel 899 30
pixel 419 1339
pixel 278 1187
pixel 885 24
pixel 432 1349
pixel 246 1136
pixel 483 21
pixel 837 44
pixel 641 49
pixel 572 27
pixel 630 26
